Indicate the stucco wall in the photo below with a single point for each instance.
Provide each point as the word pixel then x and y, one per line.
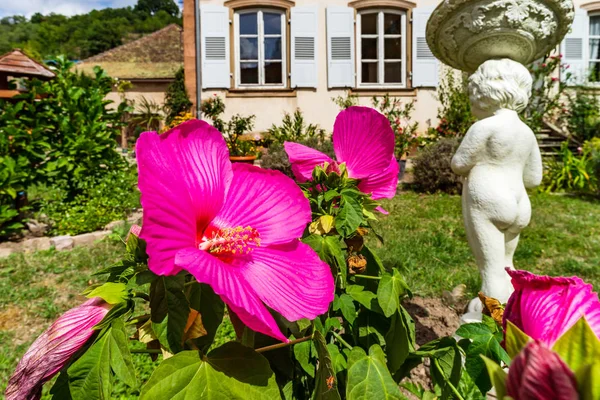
pixel 316 104
pixel 152 91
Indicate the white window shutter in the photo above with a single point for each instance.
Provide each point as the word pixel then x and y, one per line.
pixel 574 49
pixel 304 29
pixel 425 67
pixel 340 47
pixel 214 28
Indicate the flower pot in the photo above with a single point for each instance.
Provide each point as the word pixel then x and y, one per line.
pixel 243 159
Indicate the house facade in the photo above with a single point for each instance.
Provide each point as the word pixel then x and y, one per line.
pixel 268 57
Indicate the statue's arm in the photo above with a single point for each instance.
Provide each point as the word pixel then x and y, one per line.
pixel 534 170
pixel 469 151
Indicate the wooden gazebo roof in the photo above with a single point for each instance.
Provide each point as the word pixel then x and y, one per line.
pixel 17 64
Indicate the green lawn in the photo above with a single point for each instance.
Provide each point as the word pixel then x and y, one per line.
pixel 423 235
pixel 425 238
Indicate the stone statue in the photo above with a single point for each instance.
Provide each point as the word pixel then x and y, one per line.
pixel 499 158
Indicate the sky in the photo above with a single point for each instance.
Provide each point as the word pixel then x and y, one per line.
pixel 65 7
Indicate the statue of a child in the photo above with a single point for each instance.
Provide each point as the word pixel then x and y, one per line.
pixel 499 158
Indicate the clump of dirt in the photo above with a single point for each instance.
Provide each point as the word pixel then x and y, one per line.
pixel 433 319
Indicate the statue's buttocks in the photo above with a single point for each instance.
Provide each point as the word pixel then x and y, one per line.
pixel 500 159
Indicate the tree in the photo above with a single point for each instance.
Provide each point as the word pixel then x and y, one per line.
pixel 176 98
pixel 153 6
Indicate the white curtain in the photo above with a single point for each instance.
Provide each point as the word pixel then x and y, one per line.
pixel 595 37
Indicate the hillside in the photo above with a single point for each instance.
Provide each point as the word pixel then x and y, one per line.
pixel 82 36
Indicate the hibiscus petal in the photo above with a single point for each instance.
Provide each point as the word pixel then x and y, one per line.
pixel 267 201
pixel 304 160
pixel 364 140
pixel 291 279
pixel 545 307
pixel 183 177
pixel 226 280
pixel 384 184
pixel 53 349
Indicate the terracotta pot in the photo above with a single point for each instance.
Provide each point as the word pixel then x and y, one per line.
pixel 243 159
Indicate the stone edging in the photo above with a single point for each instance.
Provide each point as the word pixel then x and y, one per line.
pixel 62 243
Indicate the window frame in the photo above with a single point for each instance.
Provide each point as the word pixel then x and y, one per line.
pixel 381 36
pixel 589 56
pixel 261 48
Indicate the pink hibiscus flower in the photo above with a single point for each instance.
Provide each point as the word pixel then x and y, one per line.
pixel 235 228
pixel 52 350
pixel 539 373
pixel 364 140
pixel 545 308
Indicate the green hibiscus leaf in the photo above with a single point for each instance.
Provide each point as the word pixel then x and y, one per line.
pixel 578 346
pixel 90 377
pixel 211 308
pixel 345 304
pixel 169 311
pixel 305 353
pixel 350 215
pixel 362 296
pixel 231 371
pixel 399 340
pixel 112 293
pixel 390 291
pixel 368 376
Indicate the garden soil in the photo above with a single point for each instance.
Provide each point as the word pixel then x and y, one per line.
pixel 433 319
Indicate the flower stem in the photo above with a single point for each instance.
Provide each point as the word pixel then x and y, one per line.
pixel 282 345
pixel 375 278
pixel 342 341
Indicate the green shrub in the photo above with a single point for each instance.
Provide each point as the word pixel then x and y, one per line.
pixel 454 114
pixel 177 100
pixel 399 116
pixel 592 147
pixel 294 128
pixel 103 199
pixel 583 115
pixel 232 130
pixel 345 101
pixel 570 172
pixel 63 130
pixel 432 171
pixel 276 158
pixel 547 93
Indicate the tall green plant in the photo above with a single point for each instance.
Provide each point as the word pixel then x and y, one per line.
pixel 582 116
pixel 454 114
pixel 294 129
pixel 61 132
pixel 177 100
pixel 399 116
pixel 547 94
pixel 233 130
pixel 570 172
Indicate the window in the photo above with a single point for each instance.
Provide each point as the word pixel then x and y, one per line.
pixel 260 48
pixel 594 43
pixel 382 48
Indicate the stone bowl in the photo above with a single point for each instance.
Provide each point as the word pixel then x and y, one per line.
pixel 465 33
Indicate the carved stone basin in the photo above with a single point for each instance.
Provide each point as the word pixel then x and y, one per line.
pixel 466 33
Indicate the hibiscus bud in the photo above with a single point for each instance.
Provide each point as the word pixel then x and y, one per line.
pixel 135 230
pixel 539 373
pixel 52 350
